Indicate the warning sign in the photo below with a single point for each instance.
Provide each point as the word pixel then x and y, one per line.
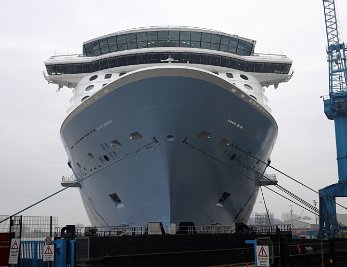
pixel 14 251
pixel 263 256
pixel 48 253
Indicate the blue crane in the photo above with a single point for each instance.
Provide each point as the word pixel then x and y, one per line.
pixel 335 108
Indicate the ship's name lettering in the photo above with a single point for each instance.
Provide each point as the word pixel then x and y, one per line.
pixel 107 123
pixel 236 124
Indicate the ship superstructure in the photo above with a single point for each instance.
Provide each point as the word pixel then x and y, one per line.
pixel 155 119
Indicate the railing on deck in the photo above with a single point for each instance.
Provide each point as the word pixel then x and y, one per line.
pixel 173 229
pixel 142 230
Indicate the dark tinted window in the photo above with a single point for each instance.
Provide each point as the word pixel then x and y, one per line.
pixel 167 38
pixel 148 58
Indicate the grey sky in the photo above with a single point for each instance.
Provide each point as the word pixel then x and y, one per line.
pixel 32 158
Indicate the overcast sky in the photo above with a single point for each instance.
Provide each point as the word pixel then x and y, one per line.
pixel 32 158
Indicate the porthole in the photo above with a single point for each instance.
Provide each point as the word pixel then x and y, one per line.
pixel 115 143
pixel 84 98
pixel 104 84
pixel 233 157
pixel 170 137
pixel 108 76
pixel 229 75
pixel 106 158
pixel 89 87
pixel 122 73
pixel 214 72
pixel 247 86
pixel 244 77
pixel 204 135
pixel 224 142
pixel 135 136
pixel 252 96
pixel 93 77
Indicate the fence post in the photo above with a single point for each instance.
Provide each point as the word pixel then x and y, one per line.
pixel 35 253
pixel 49 264
pixel 322 251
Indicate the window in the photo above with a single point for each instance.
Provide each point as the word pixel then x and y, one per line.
pixel 104 64
pixel 163 35
pixel 229 75
pixel 250 66
pixel 84 98
pixel 215 60
pixel 215 38
pixel 259 67
pixel 252 96
pixel 121 39
pixel 165 38
pixel 196 36
pixel 141 37
pixel 108 76
pixel 204 135
pixel 116 199
pixel 247 86
pixel 96 66
pixel 86 68
pixel 224 142
pixel 222 199
pixel 184 36
pixel 94 77
pixel 170 137
pixel 206 37
pixel 122 61
pixel 115 143
pixel 243 76
pixel 104 46
pixel 89 87
pixel 135 136
pixel 96 48
pixel 182 57
pixel 225 40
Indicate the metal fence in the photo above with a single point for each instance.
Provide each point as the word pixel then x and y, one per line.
pixel 33 232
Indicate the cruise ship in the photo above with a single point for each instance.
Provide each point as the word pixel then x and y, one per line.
pixel 168 124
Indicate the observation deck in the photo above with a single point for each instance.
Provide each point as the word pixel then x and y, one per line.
pixel 168 37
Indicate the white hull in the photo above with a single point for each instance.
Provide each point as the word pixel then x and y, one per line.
pixel 189 120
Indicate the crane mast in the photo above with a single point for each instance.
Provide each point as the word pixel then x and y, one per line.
pixel 335 108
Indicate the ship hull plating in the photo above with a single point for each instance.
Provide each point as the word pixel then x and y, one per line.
pixel 162 144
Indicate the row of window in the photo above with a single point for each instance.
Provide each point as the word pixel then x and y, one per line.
pixel 153 58
pixel 168 39
pixel 109 75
